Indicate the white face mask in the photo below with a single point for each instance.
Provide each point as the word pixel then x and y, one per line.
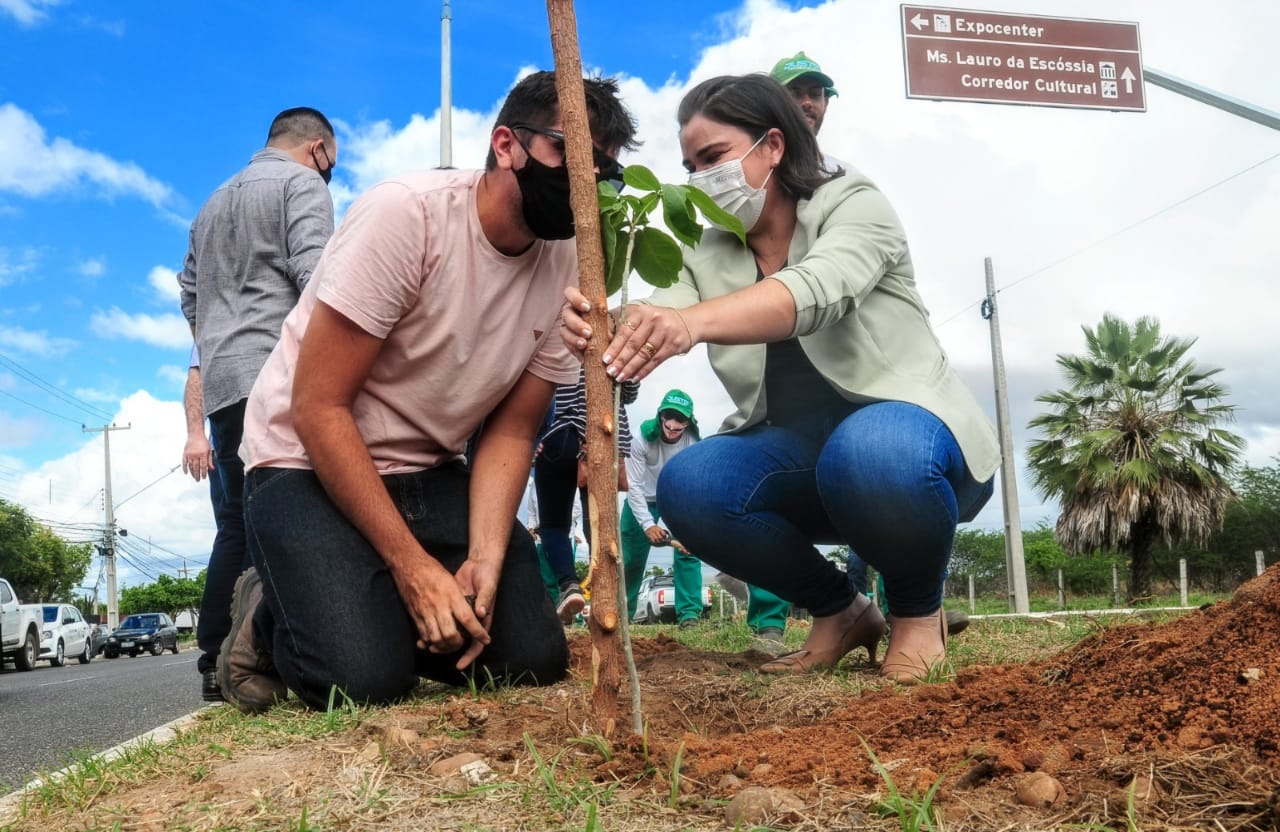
pixel 727 185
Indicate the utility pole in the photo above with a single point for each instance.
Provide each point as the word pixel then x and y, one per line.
pixel 1015 565
pixel 446 88
pixel 109 541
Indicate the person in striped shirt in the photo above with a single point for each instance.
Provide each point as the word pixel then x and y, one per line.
pixel 556 479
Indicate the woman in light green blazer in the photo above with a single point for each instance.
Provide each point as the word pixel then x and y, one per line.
pixel 851 426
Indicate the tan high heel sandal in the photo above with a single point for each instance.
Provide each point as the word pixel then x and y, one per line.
pixel 912 656
pixel 866 628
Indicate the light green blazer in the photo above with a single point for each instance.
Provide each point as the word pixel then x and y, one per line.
pixel 859 317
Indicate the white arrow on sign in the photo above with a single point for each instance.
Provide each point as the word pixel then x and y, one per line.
pixel 920 22
pixel 1128 77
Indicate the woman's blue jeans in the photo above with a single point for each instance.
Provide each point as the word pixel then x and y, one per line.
pixel 888 479
pixel 333 615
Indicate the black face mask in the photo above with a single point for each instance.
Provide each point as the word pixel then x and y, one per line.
pixel 544 199
pixel 327 173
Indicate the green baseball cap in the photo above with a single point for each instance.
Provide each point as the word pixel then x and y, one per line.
pixel 800 65
pixel 679 401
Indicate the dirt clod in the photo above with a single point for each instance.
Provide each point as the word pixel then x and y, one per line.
pixel 1039 790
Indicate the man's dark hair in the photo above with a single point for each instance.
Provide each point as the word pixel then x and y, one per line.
pixel 297 125
pixel 756 103
pixel 534 102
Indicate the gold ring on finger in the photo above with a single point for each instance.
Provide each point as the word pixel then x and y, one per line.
pixel 648 349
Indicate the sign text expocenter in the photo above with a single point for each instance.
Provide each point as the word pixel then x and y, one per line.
pixel 968 55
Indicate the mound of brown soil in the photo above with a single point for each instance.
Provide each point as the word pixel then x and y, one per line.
pixel 1197 699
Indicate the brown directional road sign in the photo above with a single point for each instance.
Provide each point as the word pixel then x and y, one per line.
pixel 994 57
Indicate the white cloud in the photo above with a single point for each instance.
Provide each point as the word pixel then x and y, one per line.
pixel 34 342
pixel 172 513
pixel 33 165
pixel 172 374
pixel 169 331
pixel 15 266
pixel 163 279
pixel 93 267
pixel 28 12
pixel 93 394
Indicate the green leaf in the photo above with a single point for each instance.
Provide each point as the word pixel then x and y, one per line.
pixel 647 203
pixel 615 258
pixel 608 242
pixel 679 217
pixel 606 193
pixel 716 215
pixel 657 257
pixel 640 178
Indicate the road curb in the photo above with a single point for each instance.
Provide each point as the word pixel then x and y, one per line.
pixel 11 804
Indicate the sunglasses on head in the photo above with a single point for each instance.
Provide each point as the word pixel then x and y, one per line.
pixel 608 170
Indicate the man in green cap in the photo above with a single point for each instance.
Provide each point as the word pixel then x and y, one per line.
pixel 673 429
pixel 812 89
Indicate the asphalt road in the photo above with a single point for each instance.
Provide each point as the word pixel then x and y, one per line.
pixel 49 712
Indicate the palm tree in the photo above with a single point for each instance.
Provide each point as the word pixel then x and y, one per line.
pixel 1131 448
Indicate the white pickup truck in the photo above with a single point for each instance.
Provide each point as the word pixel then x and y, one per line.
pixel 657 600
pixel 19 629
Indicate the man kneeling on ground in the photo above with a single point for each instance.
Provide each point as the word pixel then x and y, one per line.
pixel 432 315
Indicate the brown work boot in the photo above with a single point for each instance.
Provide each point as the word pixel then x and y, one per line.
pixel 246 674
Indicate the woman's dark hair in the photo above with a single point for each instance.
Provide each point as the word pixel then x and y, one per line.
pixel 756 103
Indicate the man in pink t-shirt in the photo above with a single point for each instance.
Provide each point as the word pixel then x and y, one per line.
pixel 379 557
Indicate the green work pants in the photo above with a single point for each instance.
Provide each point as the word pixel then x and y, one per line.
pixel 764 609
pixel 548 575
pixel 686 571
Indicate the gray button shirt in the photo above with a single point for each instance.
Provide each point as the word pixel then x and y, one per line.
pixel 253 247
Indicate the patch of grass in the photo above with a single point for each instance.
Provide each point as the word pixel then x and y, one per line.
pixel 1130 816
pixel 566 795
pixel 1048 602
pixel 915 812
pixel 674 798
pixel 1019 640
pixel 596 743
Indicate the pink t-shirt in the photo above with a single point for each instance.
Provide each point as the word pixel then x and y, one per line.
pixel 460 322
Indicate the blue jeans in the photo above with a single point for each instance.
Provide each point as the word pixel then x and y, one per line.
pixel 555 478
pixel 333 616
pixel 227 559
pixel 888 479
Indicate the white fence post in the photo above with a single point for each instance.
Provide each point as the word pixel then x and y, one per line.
pixel 972 606
pixel 1062 592
pixel 1182 581
pixel 1115 585
pixel 1261 563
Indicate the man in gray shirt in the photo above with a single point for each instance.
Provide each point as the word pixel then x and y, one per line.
pixel 253 247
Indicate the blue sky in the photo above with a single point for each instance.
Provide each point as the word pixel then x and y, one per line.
pixel 118 120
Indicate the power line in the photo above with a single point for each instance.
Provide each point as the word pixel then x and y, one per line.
pixel 1116 233
pixel 127 560
pixel 53 389
pixel 41 409
pixel 95 495
pixel 148 485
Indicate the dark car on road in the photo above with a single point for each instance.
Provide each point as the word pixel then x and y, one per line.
pixel 150 631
